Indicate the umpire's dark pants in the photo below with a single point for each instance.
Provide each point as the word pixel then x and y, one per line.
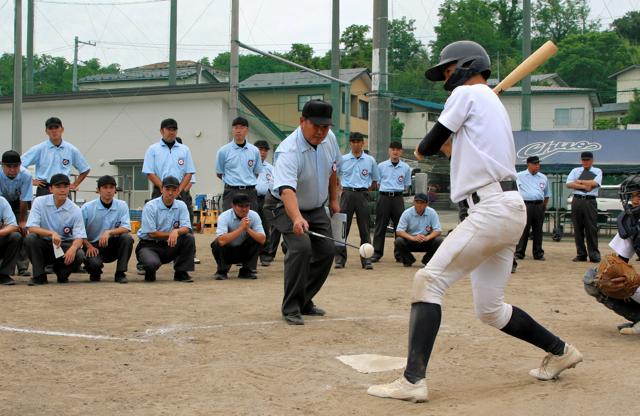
pixel 354 202
pixel 308 260
pixel 10 246
pixel 387 208
pixel 405 247
pixel 41 254
pixel 246 253
pixel 23 259
pixel 231 191
pixel 264 253
pixel 535 220
pixel 584 216
pixel 152 254
pixel 119 248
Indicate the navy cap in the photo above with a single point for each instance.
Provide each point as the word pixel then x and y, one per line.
pixel 356 136
pixel 318 112
pixel 262 144
pixel 421 197
pixel 53 122
pixel 170 181
pixel 11 157
pixel 240 121
pixel 169 123
pixel 241 199
pixel 395 145
pixel 59 178
pixel 533 159
pixel 586 155
pixel 106 180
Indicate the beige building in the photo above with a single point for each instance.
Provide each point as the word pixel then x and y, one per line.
pixel 418 117
pixel 627 81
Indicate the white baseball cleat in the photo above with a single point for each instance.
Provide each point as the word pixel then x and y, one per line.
pixel 401 389
pixel 631 330
pixel 553 365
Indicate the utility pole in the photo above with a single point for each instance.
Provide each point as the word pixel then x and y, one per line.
pixel 335 66
pixel 380 102
pixel 234 70
pixel 526 51
pixel 16 121
pixel 173 41
pixel 29 84
pixel 74 86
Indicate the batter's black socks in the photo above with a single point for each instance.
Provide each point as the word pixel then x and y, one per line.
pixel 524 327
pixel 423 328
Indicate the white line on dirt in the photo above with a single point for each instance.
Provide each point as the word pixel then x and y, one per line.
pixel 67 334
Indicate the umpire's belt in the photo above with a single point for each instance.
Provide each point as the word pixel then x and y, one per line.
pixel 239 187
pixel 534 202
pixel 578 196
pixel 474 198
pixel 344 188
pixel 396 193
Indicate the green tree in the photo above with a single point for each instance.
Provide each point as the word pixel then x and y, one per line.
pixel 628 27
pixel 357 47
pixel 605 123
pixel 404 47
pixel 633 116
pixel 300 53
pixel 397 128
pixel 557 19
pixel 251 65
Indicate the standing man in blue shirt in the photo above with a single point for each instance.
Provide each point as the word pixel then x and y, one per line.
pixel 306 163
pixel 358 175
pixel 165 234
pixel 16 188
pixel 55 156
pixel 56 233
pixel 10 242
pixel 263 187
pixel 585 182
pixel 534 188
pixel 395 178
pixel 106 220
pixel 238 165
pixel 418 231
pixel 240 237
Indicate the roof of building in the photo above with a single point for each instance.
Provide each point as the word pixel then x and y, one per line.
pixel 159 70
pixel 629 68
pixel 400 103
pixel 612 108
pixel 537 79
pixel 300 79
pixel 549 90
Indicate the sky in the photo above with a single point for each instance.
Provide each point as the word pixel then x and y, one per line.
pixel 136 32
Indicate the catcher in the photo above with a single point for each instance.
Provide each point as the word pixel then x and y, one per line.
pixel 614 283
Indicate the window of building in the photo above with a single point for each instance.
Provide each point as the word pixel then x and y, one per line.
pixel 569 118
pixel 363 110
pixel 302 99
pixel 433 117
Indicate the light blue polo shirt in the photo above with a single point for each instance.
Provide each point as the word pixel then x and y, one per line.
pixel 305 169
pixel 358 172
pixel 238 165
pixel 162 161
pixel 414 224
pixel 532 187
pixel 19 188
pixel 394 178
pixel 157 217
pixel 574 175
pixel 265 179
pixel 98 219
pixel 66 220
pixel 50 159
pixel 8 217
pixel 228 221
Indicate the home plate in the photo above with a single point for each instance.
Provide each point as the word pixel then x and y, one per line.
pixel 372 363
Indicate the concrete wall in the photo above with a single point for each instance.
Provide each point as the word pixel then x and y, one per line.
pixel 543 110
pixel 110 85
pixel 626 83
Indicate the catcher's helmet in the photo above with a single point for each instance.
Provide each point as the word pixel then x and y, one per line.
pixel 628 187
pixel 471 59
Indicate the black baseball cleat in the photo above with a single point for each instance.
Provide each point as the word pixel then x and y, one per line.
pixel 579 258
pixel 220 276
pixel 120 277
pixel 6 280
pixel 295 319
pixel 314 311
pixel 94 277
pixel 339 266
pixel 375 259
pixel 182 277
pixel 247 274
pixel 62 279
pixel 38 280
pixel 149 276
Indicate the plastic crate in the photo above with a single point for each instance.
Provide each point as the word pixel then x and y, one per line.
pixel 135 215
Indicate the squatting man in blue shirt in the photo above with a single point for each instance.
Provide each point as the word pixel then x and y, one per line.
pixel 418 230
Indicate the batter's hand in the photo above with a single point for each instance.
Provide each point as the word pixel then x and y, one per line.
pixel 417 154
pixel 300 225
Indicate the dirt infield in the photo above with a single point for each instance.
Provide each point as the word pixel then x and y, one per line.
pixel 220 347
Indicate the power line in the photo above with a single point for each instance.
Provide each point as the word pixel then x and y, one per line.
pixel 111 3
pixel 197 19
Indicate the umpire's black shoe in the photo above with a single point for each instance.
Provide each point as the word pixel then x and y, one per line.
pixel 247 274
pixel 375 259
pixel 594 259
pixel 182 277
pixel 541 258
pixel 367 266
pixel 579 258
pixel 519 256
pixel 149 276
pixel 38 280
pixel 220 276
pixel 120 277
pixel 6 280
pixel 62 279
pixel 94 277
pixel 314 311
pixel 295 319
pixel 339 266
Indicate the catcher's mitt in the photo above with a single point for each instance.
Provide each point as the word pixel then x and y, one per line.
pixel 616 278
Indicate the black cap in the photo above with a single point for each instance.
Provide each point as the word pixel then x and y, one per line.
pixel 53 122
pixel 533 159
pixel 586 155
pixel 59 178
pixel 241 199
pixel 170 181
pixel 395 145
pixel 262 144
pixel 421 197
pixel 169 123
pixel 356 136
pixel 106 180
pixel 241 121
pixel 11 157
pixel 318 112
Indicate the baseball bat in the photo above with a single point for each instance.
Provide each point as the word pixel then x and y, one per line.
pixel 540 56
pixel 332 239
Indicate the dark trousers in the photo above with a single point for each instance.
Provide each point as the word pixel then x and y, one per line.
pixel 22 260
pixel 354 202
pixel 152 254
pixel 246 253
pixel 387 208
pixel 185 196
pixel 584 216
pixel 10 246
pixel 404 248
pixel 535 220
pixel 229 193
pixel 264 253
pixel 41 254
pixel 308 260
pixel 119 248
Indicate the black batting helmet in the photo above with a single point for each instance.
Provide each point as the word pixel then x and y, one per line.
pixel 628 187
pixel 471 59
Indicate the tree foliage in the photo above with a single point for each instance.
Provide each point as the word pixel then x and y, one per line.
pixel 628 27
pixel 633 116
pixel 557 19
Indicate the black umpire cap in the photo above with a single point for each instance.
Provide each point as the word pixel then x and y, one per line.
pixel 170 182
pixel 240 121
pixel 586 155
pixel 106 180
pixel 421 197
pixel 59 178
pixel 318 112
pixel 53 122
pixel 11 157
pixel 395 145
pixel 169 123
pixel 262 144
pixel 241 200
pixel 533 159
pixel 356 136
